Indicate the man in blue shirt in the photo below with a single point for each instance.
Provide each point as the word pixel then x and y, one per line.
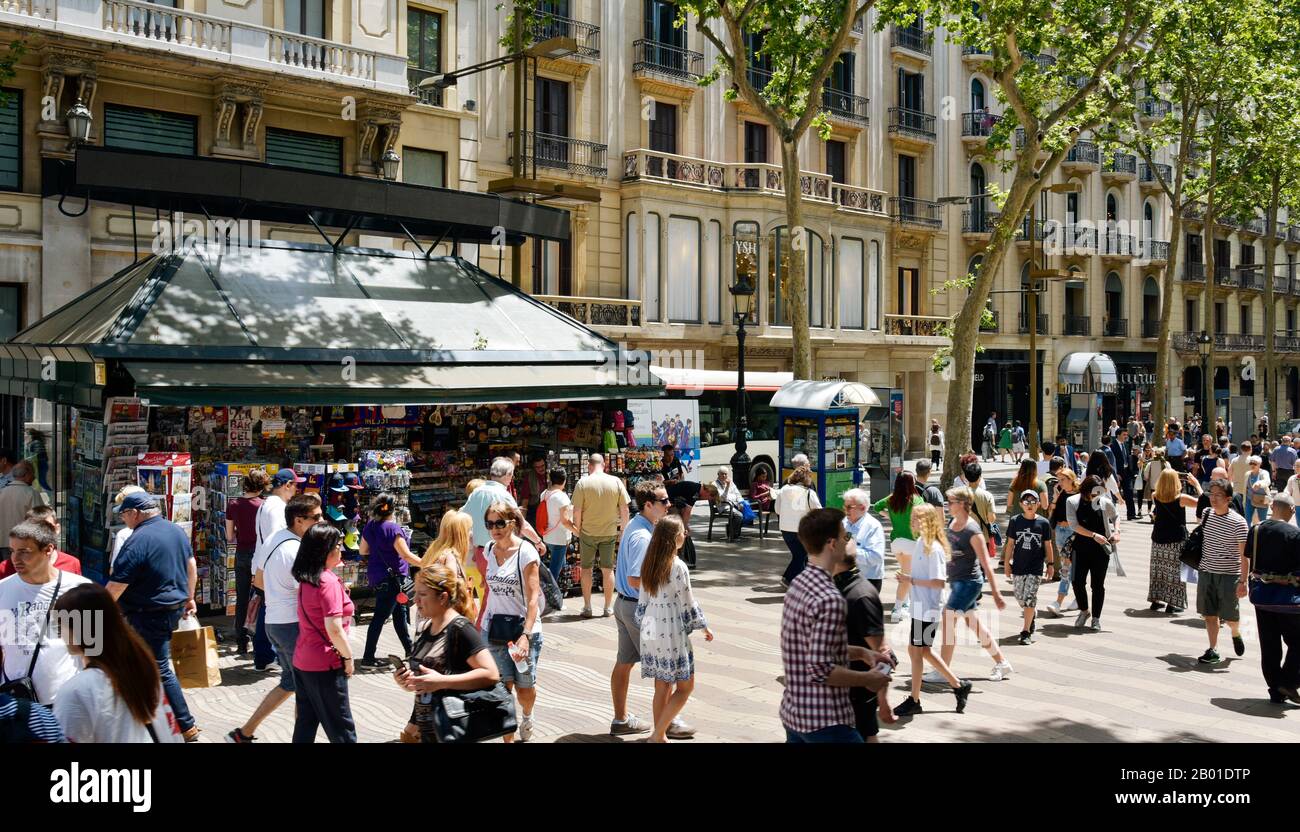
pixel 652 503
pixel 1283 459
pixel 153 581
pixel 1175 448
pixel 495 490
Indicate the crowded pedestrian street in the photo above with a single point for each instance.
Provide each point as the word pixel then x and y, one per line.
pixel 1137 680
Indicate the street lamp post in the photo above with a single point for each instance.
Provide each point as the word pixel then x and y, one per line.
pixel 742 293
pixel 1203 343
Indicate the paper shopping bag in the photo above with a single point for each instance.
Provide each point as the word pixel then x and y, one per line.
pixel 194 656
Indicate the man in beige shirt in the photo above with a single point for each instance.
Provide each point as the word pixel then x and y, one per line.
pixel 599 512
pixel 1239 469
pixel 16 499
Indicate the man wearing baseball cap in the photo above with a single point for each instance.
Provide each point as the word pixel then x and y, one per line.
pixel 153 580
pixel 271 520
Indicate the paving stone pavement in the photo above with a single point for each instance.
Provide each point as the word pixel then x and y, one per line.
pixel 1135 681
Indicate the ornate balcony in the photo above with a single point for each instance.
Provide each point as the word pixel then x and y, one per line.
pixel 1151 109
pixel 1024 238
pixel 1157 251
pixel 1043 62
pixel 1193 273
pixel 586 34
pixel 552 153
pixel 915 213
pixel 1122 167
pixel 990 326
pixel 977 224
pixel 1147 179
pixel 427 95
pixel 664 60
pixel 1255 226
pixel 913 39
pixel 1251 277
pixel 845 106
pixel 1077 325
pixel 1117 246
pixel 1114 327
pixel 977 127
pixel 1227 277
pixel 974 55
pixel 911 126
pixel 597 311
pixel 1084 156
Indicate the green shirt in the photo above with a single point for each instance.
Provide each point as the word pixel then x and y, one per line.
pixel 1015 501
pixel 900 522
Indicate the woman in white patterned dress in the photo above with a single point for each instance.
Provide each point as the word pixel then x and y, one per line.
pixel 667 615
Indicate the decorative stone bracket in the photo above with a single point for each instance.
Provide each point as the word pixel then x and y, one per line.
pixel 66 77
pixel 377 130
pixel 239 107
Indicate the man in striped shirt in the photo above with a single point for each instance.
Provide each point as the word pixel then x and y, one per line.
pixel 1221 579
pixel 815 649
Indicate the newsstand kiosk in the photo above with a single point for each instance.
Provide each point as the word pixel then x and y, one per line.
pixel 820 419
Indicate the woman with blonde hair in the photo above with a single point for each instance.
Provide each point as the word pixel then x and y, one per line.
pixel 929 567
pixel 450 549
pixel 667 614
pixel 448 650
pixel 1166 587
pixel 968 568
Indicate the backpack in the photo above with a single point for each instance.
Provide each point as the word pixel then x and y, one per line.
pixel 934 440
pixel 543 517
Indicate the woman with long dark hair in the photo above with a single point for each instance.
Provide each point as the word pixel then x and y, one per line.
pixel 1099 466
pixel 390 562
pixel 902 540
pixel 1091 514
pixel 322 657
pixel 118 695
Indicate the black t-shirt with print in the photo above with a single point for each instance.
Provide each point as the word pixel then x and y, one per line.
pixel 447 652
pixel 866 617
pixel 1028 537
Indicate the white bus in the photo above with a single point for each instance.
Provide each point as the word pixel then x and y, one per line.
pixel 715 393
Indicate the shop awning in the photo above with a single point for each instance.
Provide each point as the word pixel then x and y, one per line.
pixel 692 379
pixel 306 324
pixel 1075 366
pixel 824 395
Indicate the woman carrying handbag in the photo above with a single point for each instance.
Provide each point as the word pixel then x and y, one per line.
pixel 449 655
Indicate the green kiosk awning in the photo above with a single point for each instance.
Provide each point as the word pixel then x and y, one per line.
pixel 297 323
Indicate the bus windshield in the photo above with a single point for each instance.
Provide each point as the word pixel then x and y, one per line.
pixel 718 417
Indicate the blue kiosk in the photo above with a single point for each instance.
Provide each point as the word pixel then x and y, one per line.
pixel 821 419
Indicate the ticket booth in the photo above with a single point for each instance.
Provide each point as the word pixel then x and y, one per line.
pixel 821 419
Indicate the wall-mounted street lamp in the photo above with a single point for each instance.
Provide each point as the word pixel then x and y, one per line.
pixel 390 162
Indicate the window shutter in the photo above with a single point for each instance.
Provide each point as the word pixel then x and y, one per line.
pixel 323 154
pixel 150 130
pixel 11 141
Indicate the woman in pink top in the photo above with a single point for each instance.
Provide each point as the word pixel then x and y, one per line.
pixel 322 657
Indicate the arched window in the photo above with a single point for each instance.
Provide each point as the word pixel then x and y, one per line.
pixel 1077 321
pixel 1115 323
pixel 1148 221
pixel 1112 210
pixel 978 102
pixel 1150 308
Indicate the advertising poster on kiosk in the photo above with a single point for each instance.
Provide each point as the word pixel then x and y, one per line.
pixel 659 422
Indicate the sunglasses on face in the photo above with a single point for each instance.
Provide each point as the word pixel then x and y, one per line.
pixel 1028 501
pixel 663 500
pixel 498 524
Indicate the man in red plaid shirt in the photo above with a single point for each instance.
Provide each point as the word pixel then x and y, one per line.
pixel 815 649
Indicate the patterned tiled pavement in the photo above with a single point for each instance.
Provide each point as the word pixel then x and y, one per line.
pixel 1135 681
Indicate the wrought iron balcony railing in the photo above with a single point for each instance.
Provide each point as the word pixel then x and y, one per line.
pixel 922 325
pixel 1193 273
pixel 1115 244
pixel 564 153
pixel 913 123
pixel 1024 323
pixel 427 95
pixel 1146 173
pixel 978 124
pixel 1150 328
pixel 1083 153
pixel 979 221
pixel 1077 325
pixel 666 59
pixel 586 34
pixel 1153 108
pixel 846 105
pixel 916 212
pixel 1120 163
pixel 1157 250
pixel 1114 327
pixel 913 39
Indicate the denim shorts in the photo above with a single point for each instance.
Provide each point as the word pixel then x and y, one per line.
pixel 284 637
pixel 506 665
pixel 964 596
pixel 832 734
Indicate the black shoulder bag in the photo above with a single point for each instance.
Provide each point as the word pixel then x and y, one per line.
pixel 1194 546
pixel 25 688
pixel 466 716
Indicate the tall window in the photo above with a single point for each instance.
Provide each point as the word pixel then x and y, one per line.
pixel 1245 319
pixel 1150 306
pixel 11 310
pixel 978 203
pixel 1220 317
pixel 663 128
pixel 907 176
pixel 978 102
pixel 755 142
pixel 1112 210
pixel 816 279
pixel 150 130
pixel 304 151
pixel 424 167
pixel 551 122
pixel 683 270
pixel 660 17
pixel 423 45
pixel 837 161
pixel 1191 320
pixel 911 90
pixel 909 291
pixel 652 275
pixel 552 268
pixel 713 271
pixel 849 262
pixel 875 288
pixel 1148 222
pixel 1114 299
pixel 1071 209
pixel 632 255
pixel 305 17
pixel 11 141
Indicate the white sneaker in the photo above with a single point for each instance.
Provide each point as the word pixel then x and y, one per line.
pixel 897 614
pixel 1001 671
pixel 933 677
pixel 1073 605
pixel 526 728
pixel 1055 609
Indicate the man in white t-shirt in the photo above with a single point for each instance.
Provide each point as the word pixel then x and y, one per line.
pixel 273 571
pixel 270 517
pixel 26 598
pixel 559 526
